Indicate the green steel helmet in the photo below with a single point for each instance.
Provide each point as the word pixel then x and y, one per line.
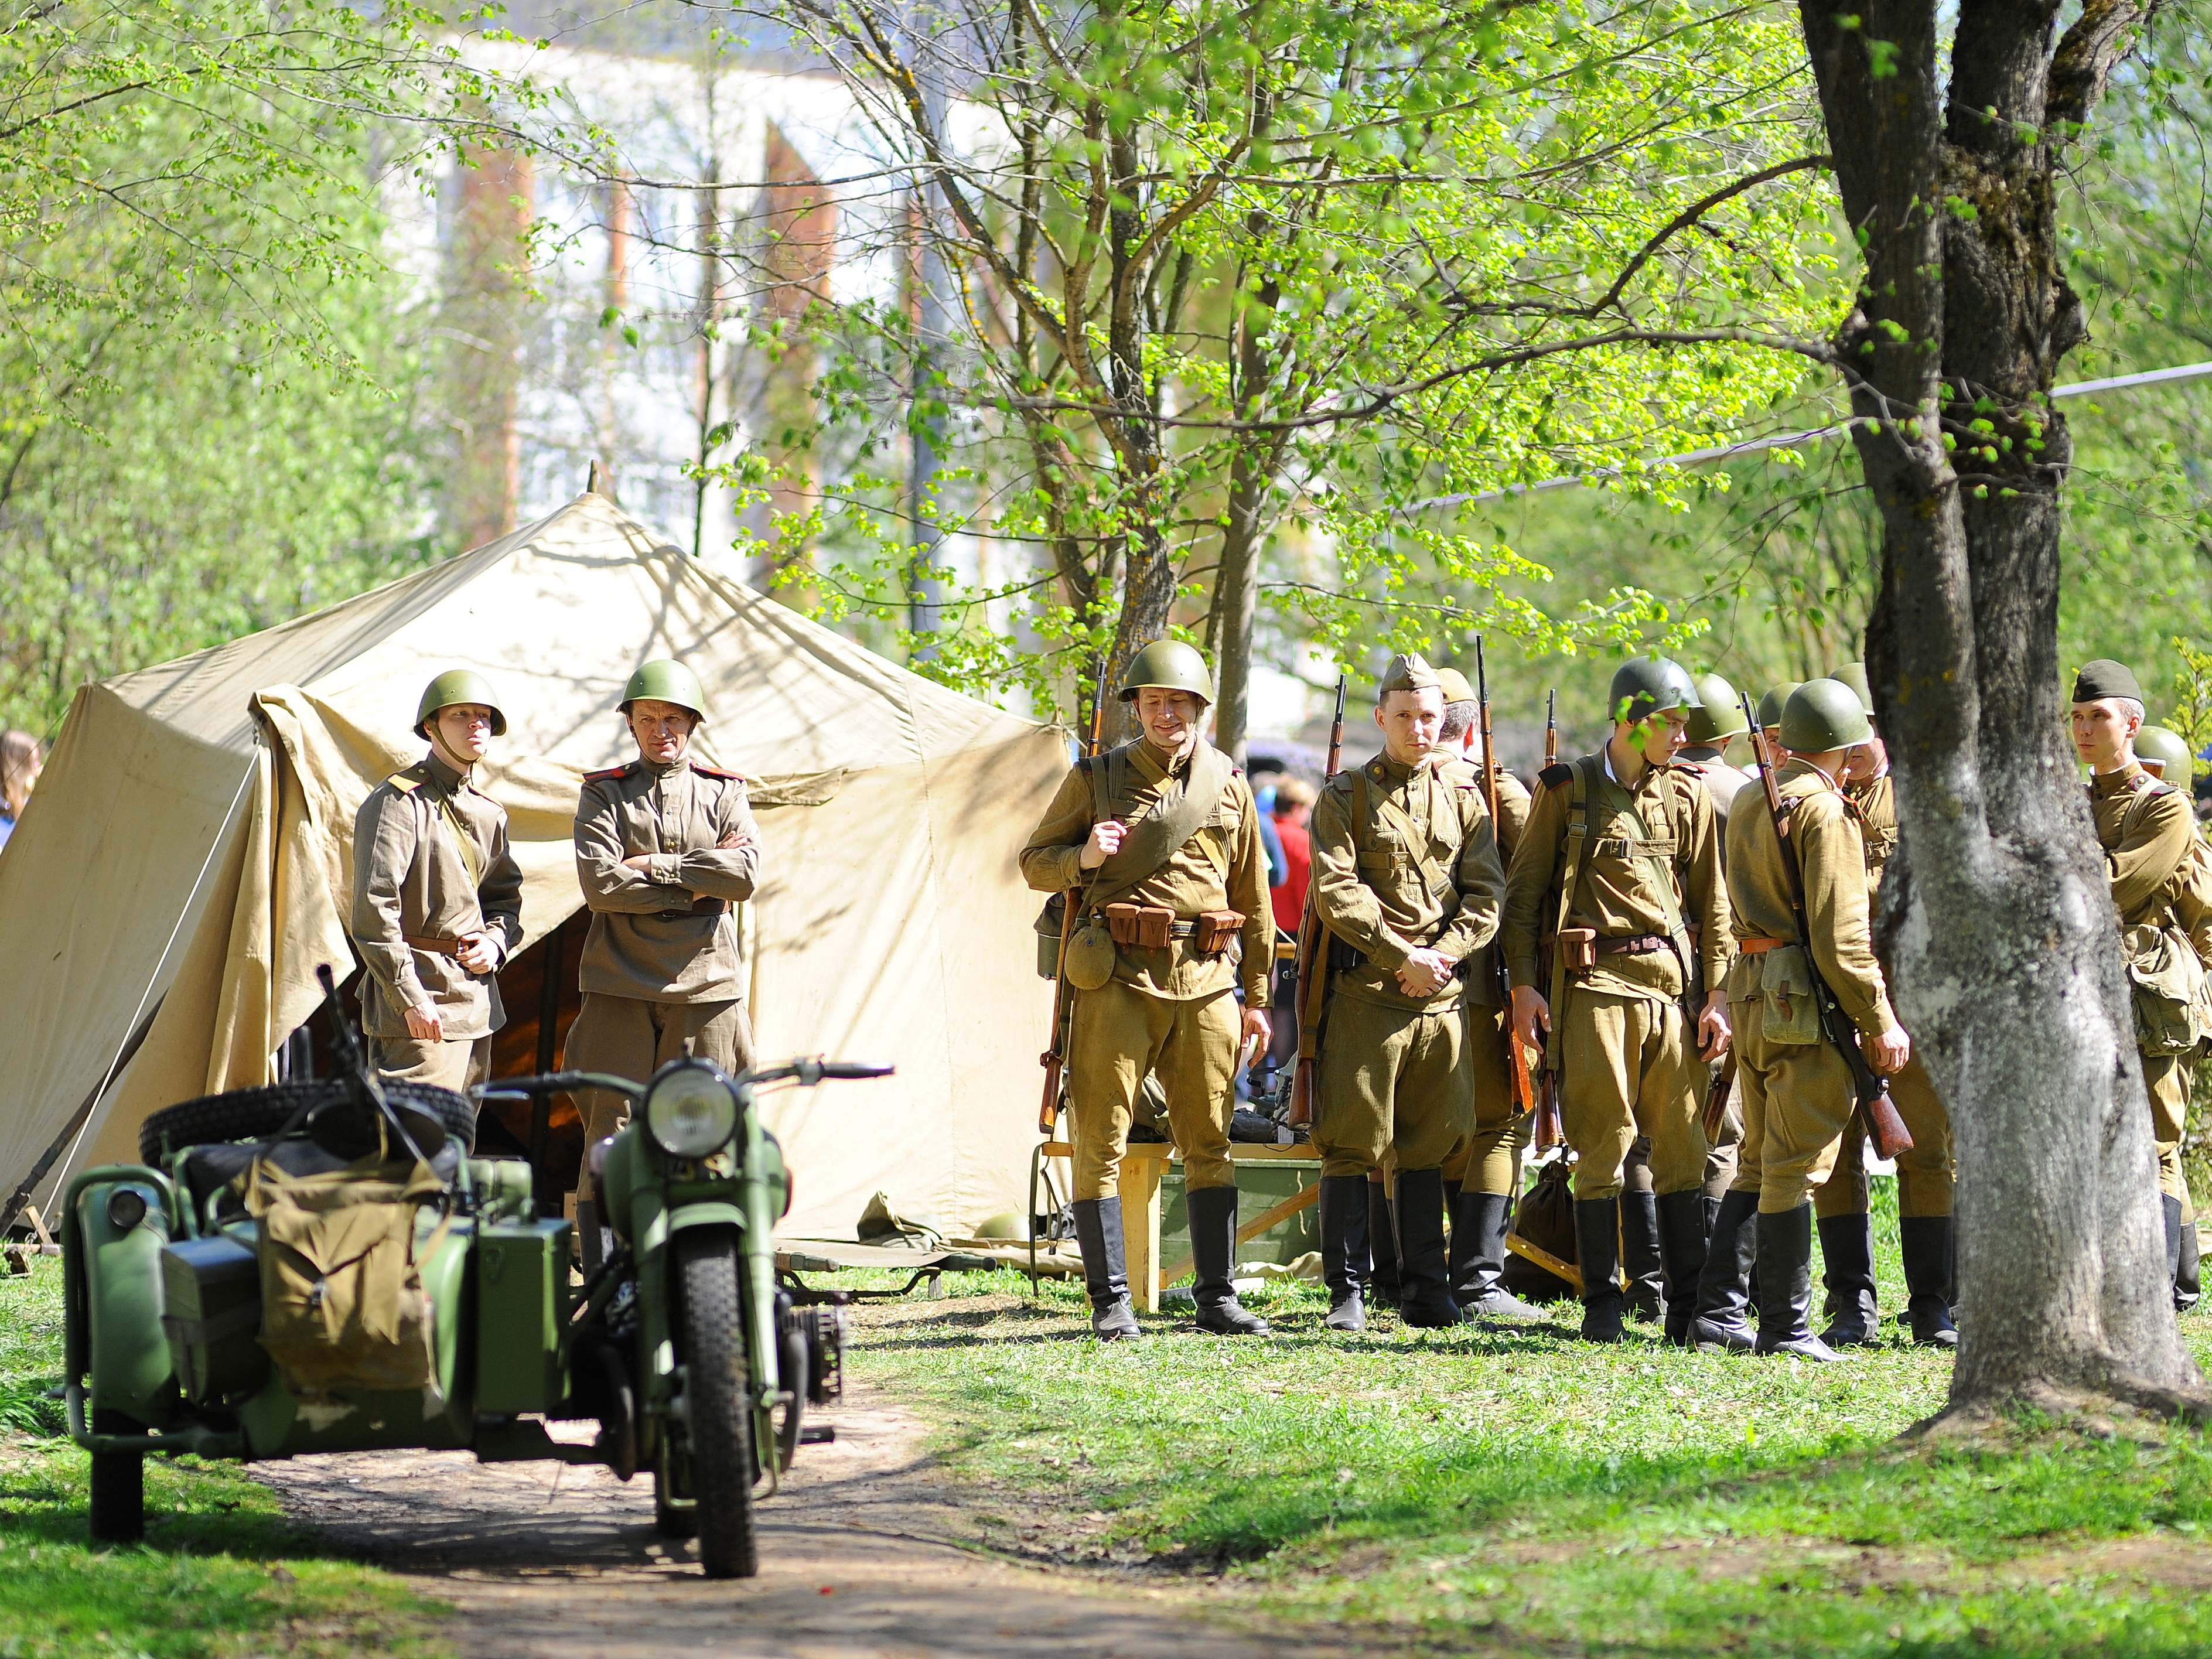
pixel 1821 715
pixel 2162 746
pixel 1771 705
pixel 1169 664
pixel 1644 686
pixel 1853 674
pixel 666 680
pixel 459 685
pixel 1005 1225
pixel 1719 714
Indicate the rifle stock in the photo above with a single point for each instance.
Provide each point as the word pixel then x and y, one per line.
pixel 1053 1059
pixel 1313 944
pixel 1868 1087
pixel 1550 1127
pixel 1517 1081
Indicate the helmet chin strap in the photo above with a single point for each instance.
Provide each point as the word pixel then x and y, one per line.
pixel 465 767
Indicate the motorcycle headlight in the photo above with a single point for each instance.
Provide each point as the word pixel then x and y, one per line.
pixel 690 1111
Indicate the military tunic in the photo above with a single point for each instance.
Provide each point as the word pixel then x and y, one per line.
pixel 1489 1160
pixel 1168 1010
pixel 663 964
pixel 1627 1056
pixel 1797 1088
pixel 1404 859
pixel 2149 835
pixel 417 890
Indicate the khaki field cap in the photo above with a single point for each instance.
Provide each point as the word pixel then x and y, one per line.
pixel 1408 672
pixel 1771 705
pixel 1457 689
pixel 1171 666
pixel 2164 746
pixel 2105 678
pixel 459 685
pixel 1821 715
pixel 666 680
pixel 1720 716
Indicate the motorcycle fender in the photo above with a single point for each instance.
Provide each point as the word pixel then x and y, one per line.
pixel 121 1288
pixel 687 1216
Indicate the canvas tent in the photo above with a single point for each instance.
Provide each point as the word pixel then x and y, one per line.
pixel 182 869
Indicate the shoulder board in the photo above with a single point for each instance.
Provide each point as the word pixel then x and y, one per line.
pixel 611 772
pixel 717 772
pixel 1339 782
pixel 405 782
pixel 1375 769
pixel 2143 783
pixel 1555 774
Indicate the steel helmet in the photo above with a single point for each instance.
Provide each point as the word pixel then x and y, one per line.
pixel 1771 705
pixel 1719 715
pixel 1821 715
pixel 457 685
pixel 1853 674
pixel 1644 686
pixel 2167 748
pixel 1171 664
pixel 666 680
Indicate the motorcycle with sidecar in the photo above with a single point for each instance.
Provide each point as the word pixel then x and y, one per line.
pixel 325 1266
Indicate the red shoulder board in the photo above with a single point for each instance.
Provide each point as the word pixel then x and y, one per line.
pixel 601 777
pixel 717 772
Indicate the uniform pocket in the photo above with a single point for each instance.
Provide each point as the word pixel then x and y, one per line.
pixel 1788 1014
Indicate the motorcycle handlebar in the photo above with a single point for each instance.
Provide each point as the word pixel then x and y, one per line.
pixel 808 1072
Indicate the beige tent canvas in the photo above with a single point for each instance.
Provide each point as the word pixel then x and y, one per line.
pixel 180 872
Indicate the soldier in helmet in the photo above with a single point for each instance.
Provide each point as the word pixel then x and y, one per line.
pixel 1619 873
pixel 2163 752
pixel 666 850
pixel 1717 718
pixel 1797 1087
pixel 1926 1174
pixel 1407 880
pixel 1158 842
pixel 1770 720
pixel 437 897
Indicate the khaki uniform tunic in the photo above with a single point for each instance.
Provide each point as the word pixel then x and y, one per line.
pixel 663 965
pixel 1796 1089
pixel 2149 835
pixel 1489 1160
pixel 1167 1011
pixel 411 879
pixel 1404 858
pixel 1927 1174
pixel 1628 1058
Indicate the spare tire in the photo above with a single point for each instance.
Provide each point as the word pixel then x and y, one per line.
pixel 257 1114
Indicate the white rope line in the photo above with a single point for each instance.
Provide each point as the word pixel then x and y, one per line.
pixel 61 1178
pixel 1791 440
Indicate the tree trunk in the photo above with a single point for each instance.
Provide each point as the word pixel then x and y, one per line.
pixel 1997 909
pixel 1251 471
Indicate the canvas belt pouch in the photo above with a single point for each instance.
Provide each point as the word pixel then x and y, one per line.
pixel 342 1306
pixel 1146 927
pixel 2172 996
pixel 1785 989
pixel 1577 949
pixel 1215 929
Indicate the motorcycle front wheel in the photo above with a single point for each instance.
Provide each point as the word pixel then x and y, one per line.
pixel 716 1397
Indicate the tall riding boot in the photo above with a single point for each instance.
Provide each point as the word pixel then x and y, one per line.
pixel 1343 1200
pixel 1426 1300
pixel 1382 1244
pixel 1723 1286
pixel 1597 1248
pixel 1105 1268
pixel 2188 1282
pixel 1712 1214
pixel 1479 1223
pixel 2172 1207
pixel 1926 1240
pixel 1786 1284
pixel 1640 1255
pixel 1847 1248
pixel 1682 1251
pixel 1212 1212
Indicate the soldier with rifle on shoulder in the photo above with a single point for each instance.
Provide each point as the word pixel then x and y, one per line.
pixel 1159 840
pixel 1620 866
pixel 1807 996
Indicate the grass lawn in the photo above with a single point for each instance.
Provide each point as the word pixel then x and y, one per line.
pixel 1504 1490
pixel 221 1573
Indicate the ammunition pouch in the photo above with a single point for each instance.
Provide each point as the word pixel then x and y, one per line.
pixel 1576 948
pixel 1145 926
pixel 1215 929
pixel 1788 1011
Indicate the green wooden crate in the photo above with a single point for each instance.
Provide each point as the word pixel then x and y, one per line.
pixel 1261 1185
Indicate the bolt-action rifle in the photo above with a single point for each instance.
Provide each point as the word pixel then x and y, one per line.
pixel 1550 1129
pixel 1313 967
pixel 1871 1090
pixel 1516 1058
pixel 1063 1005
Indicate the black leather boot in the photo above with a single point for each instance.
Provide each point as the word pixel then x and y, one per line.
pixel 1720 1323
pixel 1479 1223
pixel 1682 1255
pixel 1212 1212
pixel 1847 1248
pixel 2171 1208
pixel 1343 1204
pixel 1785 1285
pixel 1640 1261
pixel 1382 1247
pixel 1597 1248
pixel 1926 1242
pixel 1712 1214
pixel 1105 1268
pixel 1426 1299
pixel 2188 1283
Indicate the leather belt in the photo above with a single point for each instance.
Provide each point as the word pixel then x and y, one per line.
pixel 1634 945
pixel 435 946
pixel 1752 947
pixel 1175 929
pixel 704 905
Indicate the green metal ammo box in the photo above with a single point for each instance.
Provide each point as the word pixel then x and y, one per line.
pixel 211 1297
pixel 522 1307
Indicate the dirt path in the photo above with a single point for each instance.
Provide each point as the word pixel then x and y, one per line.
pixel 862 1554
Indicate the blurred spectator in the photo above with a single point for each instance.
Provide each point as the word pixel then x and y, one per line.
pixel 20 765
pixel 1293 807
